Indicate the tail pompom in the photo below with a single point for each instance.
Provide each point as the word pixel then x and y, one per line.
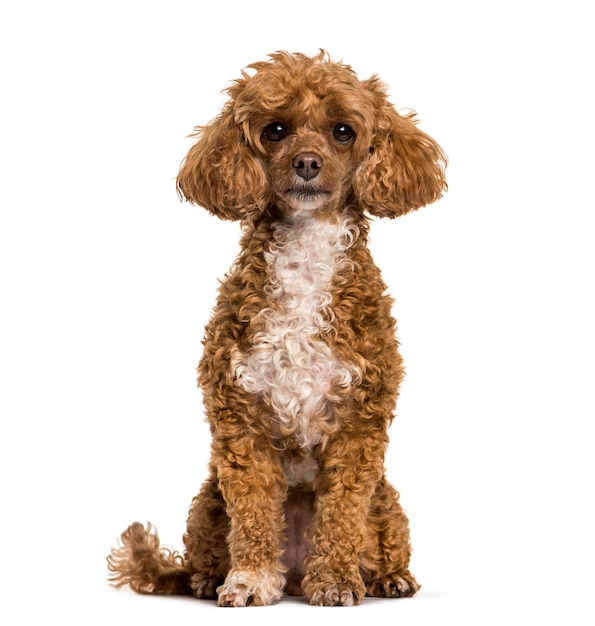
pixel 140 561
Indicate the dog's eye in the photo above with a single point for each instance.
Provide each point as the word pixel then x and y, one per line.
pixel 343 133
pixel 275 131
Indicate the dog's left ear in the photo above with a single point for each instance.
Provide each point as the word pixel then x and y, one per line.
pixel 221 172
pixel 405 168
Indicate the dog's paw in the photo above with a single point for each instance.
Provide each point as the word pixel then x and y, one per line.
pixel 326 592
pixel 337 594
pixel 237 595
pixel 393 586
pixel 250 589
pixel 204 587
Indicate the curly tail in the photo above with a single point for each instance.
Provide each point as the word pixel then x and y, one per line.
pixel 139 561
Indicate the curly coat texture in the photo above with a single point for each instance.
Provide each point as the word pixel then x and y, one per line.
pixel 301 370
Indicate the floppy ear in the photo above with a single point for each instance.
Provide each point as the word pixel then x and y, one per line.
pixel 405 167
pixel 221 172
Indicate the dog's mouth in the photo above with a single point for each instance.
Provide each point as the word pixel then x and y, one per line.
pixel 306 198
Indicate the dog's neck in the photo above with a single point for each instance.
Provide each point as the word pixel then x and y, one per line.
pixel 303 257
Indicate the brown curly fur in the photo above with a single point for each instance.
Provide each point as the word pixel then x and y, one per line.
pixel 296 500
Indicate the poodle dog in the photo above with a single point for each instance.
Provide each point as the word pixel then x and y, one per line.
pixel 301 370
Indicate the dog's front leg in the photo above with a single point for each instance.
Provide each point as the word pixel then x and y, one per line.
pixel 253 485
pixel 351 467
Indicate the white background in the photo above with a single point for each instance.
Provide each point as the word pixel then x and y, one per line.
pixel 107 281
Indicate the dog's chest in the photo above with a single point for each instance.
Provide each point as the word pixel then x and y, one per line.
pixel 289 364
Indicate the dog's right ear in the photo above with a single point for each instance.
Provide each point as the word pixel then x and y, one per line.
pixel 221 172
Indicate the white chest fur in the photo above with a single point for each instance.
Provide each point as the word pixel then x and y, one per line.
pixel 289 365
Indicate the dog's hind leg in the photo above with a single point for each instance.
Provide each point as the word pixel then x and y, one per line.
pixel 207 553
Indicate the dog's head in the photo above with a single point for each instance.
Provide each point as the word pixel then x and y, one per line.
pixel 305 134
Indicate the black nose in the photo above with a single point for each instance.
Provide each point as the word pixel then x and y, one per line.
pixel 307 165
